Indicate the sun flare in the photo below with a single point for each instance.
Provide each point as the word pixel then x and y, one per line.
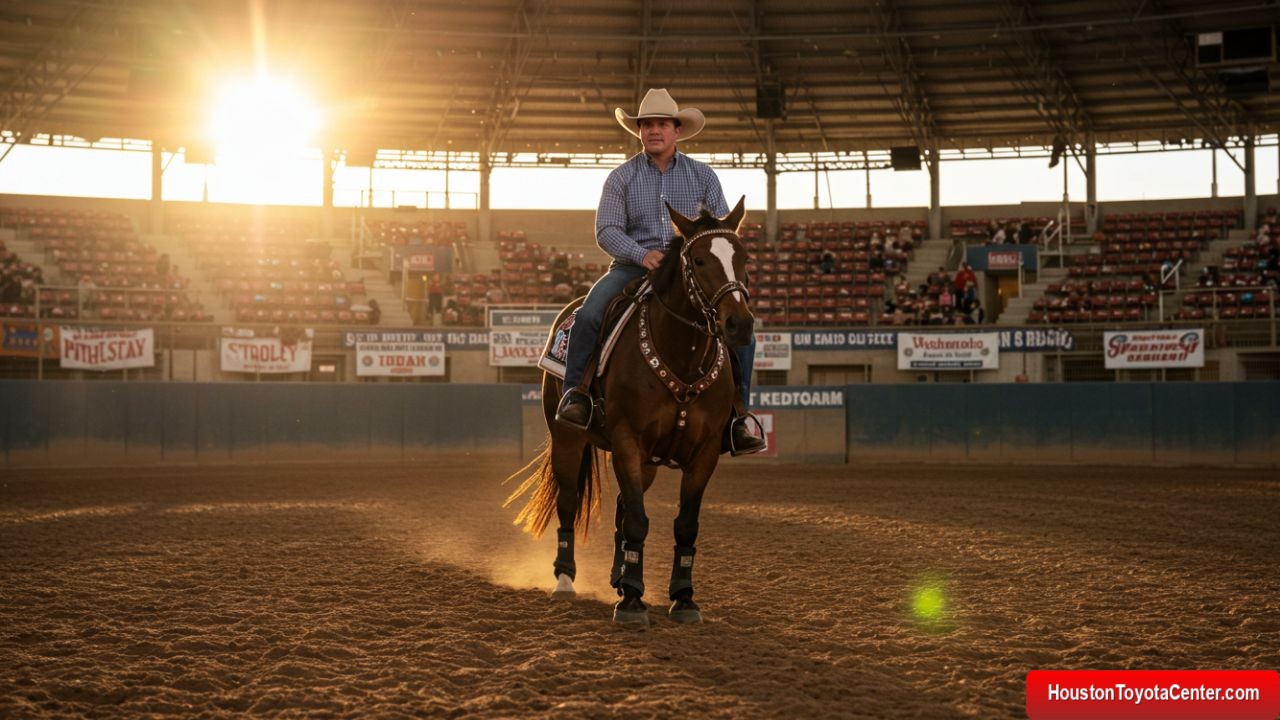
pixel 263 114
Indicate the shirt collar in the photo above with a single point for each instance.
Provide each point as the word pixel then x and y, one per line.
pixel 675 159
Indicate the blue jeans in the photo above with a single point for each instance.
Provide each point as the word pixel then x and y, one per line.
pixel 586 328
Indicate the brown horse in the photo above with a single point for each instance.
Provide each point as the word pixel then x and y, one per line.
pixel 668 393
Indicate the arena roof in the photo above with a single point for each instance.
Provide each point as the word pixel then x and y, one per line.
pixel 509 76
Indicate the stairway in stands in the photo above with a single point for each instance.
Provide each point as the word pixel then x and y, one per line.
pixel 377 286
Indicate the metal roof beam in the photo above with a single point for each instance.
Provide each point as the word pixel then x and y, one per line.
pixel 912 103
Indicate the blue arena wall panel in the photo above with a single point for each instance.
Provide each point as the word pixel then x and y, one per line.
pixel 121 423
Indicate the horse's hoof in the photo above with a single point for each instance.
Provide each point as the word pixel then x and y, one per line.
pixel 631 612
pixel 564 588
pixel 685 612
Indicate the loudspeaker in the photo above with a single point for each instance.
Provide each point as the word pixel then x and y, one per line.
pixel 904 158
pixel 361 156
pixel 1245 83
pixel 771 102
pixel 198 153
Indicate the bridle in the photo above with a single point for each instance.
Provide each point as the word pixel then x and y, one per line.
pixel 705 307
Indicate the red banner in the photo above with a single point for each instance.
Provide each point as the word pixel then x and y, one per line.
pixel 1153 694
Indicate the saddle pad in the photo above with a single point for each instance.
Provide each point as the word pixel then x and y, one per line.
pixel 556 353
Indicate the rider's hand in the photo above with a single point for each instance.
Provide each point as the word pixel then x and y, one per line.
pixel 652 259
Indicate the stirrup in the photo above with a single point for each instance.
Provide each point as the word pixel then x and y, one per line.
pixel 591 408
pixel 760 435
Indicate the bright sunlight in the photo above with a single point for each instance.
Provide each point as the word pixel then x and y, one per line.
pixel 263 113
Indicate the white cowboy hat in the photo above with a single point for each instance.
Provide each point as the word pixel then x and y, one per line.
pixel 657 103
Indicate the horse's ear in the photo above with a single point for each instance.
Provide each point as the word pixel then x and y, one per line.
pixel 735 216
pixel 684 225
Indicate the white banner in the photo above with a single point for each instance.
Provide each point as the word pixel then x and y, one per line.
pixel 399 359
pixel 86 349
pixel 265 355
pixel 948 351
pixel 516 348
pixel 1154 348
pixel 773 351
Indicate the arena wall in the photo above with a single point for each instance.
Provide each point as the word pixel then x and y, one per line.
pixel 127 423
pixel 1213 424
pixel 69 423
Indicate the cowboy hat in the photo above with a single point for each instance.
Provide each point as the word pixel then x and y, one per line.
pixel 657 103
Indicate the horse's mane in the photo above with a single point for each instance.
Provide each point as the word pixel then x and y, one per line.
pixel 668 271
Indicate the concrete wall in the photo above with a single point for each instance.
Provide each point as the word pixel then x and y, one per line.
pixel 119 423
pixel 1216 424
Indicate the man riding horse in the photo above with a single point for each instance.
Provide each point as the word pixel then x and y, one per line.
pixel 634 227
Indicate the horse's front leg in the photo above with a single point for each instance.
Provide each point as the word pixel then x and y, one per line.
pixel 692 485
pixel 634 477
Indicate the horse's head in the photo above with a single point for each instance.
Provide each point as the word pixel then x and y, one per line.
pixel 713 264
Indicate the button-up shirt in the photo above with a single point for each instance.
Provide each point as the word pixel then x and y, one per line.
pixel 632 218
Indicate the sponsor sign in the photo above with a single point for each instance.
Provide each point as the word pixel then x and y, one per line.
pixel 773 351
pixel 521 318
pixel 531 395
pixel 460 340
pixel 948 351
pixel 23 340
pixel 516 348
pixel 843 340
pixel 265 355
pixel 1036 340
pixel 1003 259
pixel 399 359
pixel 89 349
pixel 1154 349
pixel 420 263
pixel 419 258
pixel 795 398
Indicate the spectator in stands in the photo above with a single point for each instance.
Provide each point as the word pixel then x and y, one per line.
pixel 964 276
pixel 827 261
pixel 451 314
pixel 375 312
pixel 162 267
pixel 10 287
pixel 1025 235
pixel 946 300
pixel 998 235
pixel 634 228
pixel 435 295
pixel 904 237
pixel 495 296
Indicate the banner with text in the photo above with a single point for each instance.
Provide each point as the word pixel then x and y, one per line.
pixel 948 351
pixel 23 340
pixel 88 349
pixel 516 348
pixel 399 359
pixel 453 340
pixel 1154 349
pixel 265 355
pixel 773 351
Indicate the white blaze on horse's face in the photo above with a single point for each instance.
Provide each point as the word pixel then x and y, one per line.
pixel 723 249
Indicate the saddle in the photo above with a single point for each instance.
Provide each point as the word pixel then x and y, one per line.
pixel 556 353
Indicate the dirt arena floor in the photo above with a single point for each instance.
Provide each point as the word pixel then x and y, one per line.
pixel 400 591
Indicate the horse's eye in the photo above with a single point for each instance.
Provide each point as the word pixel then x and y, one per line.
pixel 699 262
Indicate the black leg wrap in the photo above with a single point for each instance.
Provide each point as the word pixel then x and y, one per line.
pixel 682 573
pixel 615 575
pixel 632 568
pixel 564 554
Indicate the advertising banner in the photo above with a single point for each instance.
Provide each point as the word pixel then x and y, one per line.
pixel 1154 349
pixel 399 359
pixel 89 349
pixel 23 340
pixel 516 348
pixel 773 351
pixel 501 318
pixel 265 355
pixel 948 351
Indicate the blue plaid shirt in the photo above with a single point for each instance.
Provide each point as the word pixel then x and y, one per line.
pixel 632 219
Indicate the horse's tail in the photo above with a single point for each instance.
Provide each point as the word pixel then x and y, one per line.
pixel 538 512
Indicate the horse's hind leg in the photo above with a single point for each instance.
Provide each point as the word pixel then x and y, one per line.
pixel 569 458
pixel 692 485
